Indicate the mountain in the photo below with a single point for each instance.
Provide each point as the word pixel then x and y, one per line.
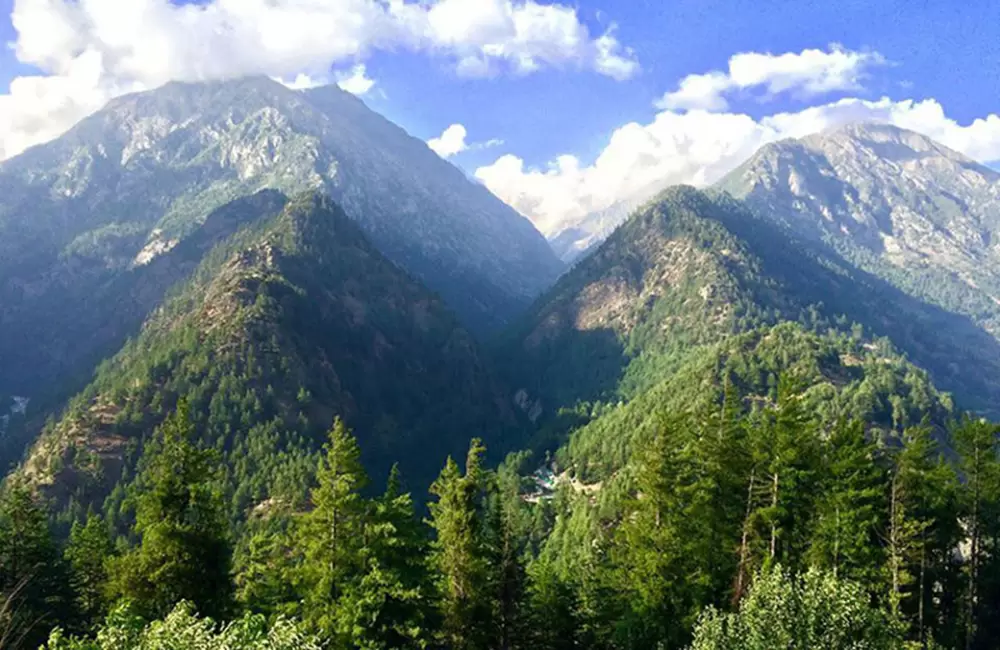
pixel 577 240
pixel 691 269
pixel 892 202
pixel 93 209
pixel 292 320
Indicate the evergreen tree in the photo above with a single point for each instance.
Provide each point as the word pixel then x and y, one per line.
pixel 265 571
pixel 977 445
pixel 851 508
pixel 924 531
pixel 790 442
pixel 34 593
pixel 554 618
pixel 459 554
pixel 89 552
pixel 185 553
pixel 331 535
pixel 505 554
pixel 651 555
pixel 391 606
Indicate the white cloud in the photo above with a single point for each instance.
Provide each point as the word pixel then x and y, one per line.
pixel 807 73
pixel 699 147
pixel 303 81
pixel 452 142
pixel 356 81
pixel 91 50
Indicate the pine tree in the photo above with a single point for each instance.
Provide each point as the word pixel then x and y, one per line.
pixel 792 447
pixel 977 445
pixel 265 574
pixel 459 554
pixel 505 555
pixel 651 555
pixel 89 552
pixel 331 534
pixel 851 508
pixel 185 552
pixel 391 606
pixel 33 583
pixel 555 624
pixel 924 530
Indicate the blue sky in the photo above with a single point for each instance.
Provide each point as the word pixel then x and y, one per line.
pixel 941 51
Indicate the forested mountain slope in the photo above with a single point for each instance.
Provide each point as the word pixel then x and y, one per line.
pixel 690 269
pixel 83 215
pixel 290 322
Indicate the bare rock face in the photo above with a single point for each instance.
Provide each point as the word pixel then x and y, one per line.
pixel 893 202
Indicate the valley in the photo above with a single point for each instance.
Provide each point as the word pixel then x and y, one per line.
pixel 295 378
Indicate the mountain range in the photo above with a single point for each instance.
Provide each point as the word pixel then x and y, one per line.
pixel 276 258
pixel 83 218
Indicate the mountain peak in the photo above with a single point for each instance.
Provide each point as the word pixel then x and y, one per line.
pixel 884 140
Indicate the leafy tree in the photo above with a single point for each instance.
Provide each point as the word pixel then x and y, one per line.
pixel 182 629
pixel 799 612
pixel 185 552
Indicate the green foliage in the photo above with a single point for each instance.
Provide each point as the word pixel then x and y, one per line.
pixel 34 593
pixel 89 551
pixel 459 553
pixel 331 534
pixel 182 629
pixel 185 551
pixel 799 612
pixel 391 605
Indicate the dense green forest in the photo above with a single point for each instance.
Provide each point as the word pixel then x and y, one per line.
pixel 735 522
pixel 726 442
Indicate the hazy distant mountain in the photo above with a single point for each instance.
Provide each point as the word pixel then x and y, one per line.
pixel 575 241
pixel 895 203
pixel 89 212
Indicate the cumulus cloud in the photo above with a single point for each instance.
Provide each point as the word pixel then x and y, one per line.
pixel 452 142
pixel 356 81
pixel 88 51
pixel 807 73
pixel 699 147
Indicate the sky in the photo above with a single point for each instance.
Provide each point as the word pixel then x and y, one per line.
pixel 559 107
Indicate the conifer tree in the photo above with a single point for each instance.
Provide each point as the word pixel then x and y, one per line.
pixel 977 445
pixel 184 552
pixel 331 534
pixel 391 606
pixel 851 508
pixel 34 594
pixel 89 552
pixel 459 554
pixel 924 530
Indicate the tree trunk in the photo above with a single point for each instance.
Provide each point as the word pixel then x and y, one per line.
pixel 741 573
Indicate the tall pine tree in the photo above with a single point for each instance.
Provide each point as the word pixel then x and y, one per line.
pixel 459 554
pixel 184 552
